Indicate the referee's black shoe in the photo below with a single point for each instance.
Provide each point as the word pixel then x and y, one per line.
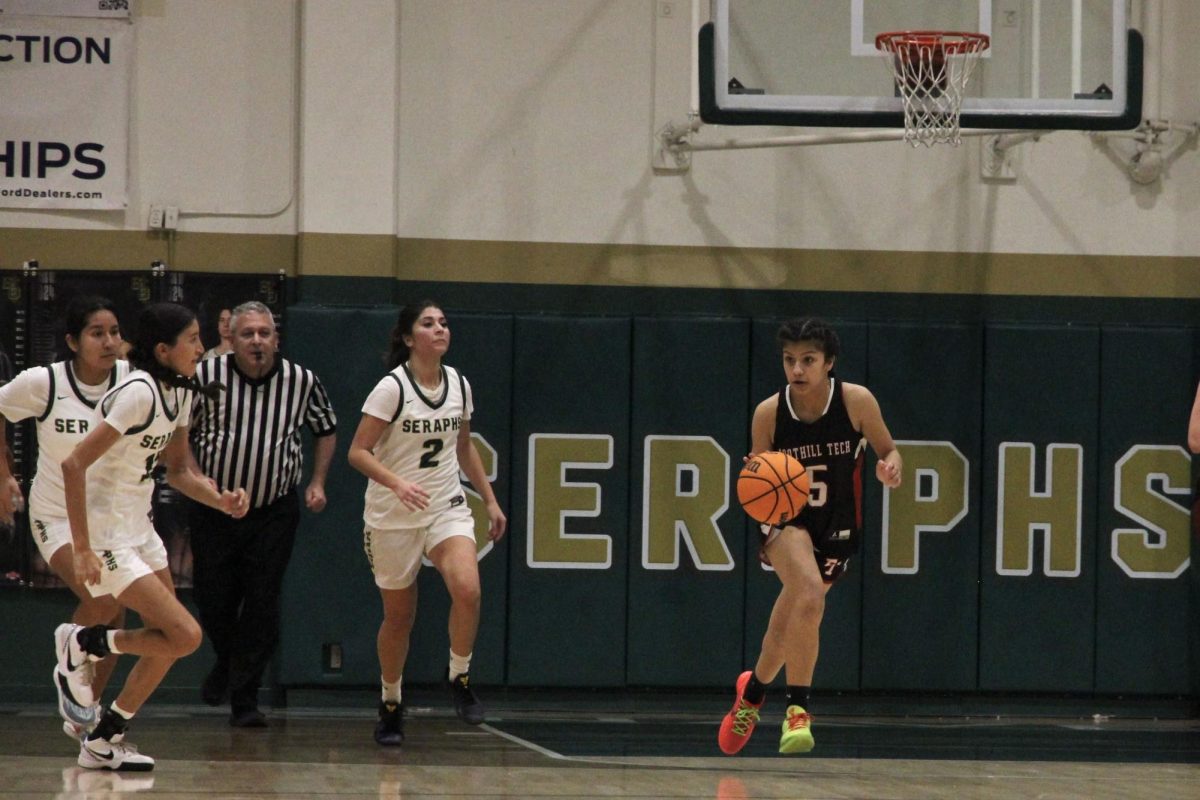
pixel 216 685
pixel 466 705
pixel 389 731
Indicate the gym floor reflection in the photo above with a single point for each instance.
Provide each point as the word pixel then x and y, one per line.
pixel 536 750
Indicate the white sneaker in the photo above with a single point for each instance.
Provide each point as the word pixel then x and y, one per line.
pixel 114 754
pixel 73 677
pixel 83 718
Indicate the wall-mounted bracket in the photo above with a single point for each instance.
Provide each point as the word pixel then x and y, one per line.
pixel 1146 152
pixel 998 156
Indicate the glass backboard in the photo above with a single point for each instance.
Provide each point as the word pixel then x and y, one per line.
pixel 1051 64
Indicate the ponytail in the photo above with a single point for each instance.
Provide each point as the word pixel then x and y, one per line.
pixel 171 378
pixel 397 350
pixel 161 323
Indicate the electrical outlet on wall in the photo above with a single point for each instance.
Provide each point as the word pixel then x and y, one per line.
pixel 156 217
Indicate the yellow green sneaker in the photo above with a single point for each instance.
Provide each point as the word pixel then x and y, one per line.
pixel 797 731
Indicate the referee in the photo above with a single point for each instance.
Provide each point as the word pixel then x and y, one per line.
pixel 249 437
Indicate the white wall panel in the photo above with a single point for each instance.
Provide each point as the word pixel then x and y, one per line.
pixel 531 120
pixel 348 122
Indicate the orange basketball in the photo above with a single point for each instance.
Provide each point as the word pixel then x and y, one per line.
pixel 773 487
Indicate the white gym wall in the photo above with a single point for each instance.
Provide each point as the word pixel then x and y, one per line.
pixel 531 120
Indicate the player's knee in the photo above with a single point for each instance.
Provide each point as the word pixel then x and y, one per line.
pixel 398 623
pixel 185 637
pixel 467 593
pixel 810 602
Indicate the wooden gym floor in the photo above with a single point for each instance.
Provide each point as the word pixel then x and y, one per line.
pixel 532 748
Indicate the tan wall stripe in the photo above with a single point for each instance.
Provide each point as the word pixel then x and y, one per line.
pixel 375 256
pixel 199 252
pixel 824 270
pixel 360 255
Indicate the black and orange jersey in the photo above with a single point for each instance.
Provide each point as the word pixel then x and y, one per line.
pixel 832 452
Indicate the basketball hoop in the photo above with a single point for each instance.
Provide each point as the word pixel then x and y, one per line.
pixel 931 69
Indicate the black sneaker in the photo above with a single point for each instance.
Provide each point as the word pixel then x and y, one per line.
pixel 216 685
pixel 466 705
pixel 247 718
pixel 389 731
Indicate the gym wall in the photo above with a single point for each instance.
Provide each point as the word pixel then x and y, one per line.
pixel 1039 544
pixel 474 170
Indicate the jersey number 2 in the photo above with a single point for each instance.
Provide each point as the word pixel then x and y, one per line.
pixel 429 457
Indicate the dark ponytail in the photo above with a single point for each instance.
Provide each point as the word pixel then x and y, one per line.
pixel 409 314
pixel 161 323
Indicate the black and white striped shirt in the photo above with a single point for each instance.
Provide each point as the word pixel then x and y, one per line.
pixel 249 435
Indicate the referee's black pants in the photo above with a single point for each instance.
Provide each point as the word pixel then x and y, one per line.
pixel 237 571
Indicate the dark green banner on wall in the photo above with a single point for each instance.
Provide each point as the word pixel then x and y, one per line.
pixel 921 584
pixel 1040 414
pixel 1143 526
pixel 570 544
pixel 689 432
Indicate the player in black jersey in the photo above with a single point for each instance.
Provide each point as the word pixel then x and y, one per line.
pixel 1193 440
pixel 1193 434
pixel 826 425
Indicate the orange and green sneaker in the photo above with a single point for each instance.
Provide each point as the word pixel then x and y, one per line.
pixel 739 723
pixel 797 731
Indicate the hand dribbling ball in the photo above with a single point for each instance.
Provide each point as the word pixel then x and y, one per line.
pixel 772 488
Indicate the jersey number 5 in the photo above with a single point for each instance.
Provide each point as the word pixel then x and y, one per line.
pixel 818 491
pixel 429 457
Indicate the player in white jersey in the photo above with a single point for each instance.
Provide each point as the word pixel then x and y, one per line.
pixel 61 398
pixel 108 481
pixel 414 436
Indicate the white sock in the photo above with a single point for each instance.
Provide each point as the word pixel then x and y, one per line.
pixel 120 712
pixel 391 691
pixel 459 665
pixel 111 636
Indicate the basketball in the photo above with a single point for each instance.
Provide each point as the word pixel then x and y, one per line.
pixel 772 488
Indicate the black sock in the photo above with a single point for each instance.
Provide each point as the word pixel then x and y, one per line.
pixel 94 640
pixel 755 691
pixel 111 724
pixel 798 696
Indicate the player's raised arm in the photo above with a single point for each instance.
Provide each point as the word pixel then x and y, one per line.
pixel 864 410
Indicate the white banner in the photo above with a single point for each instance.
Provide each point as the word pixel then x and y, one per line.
pixel 64 123
pixel 66 8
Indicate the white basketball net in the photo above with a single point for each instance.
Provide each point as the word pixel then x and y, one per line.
pixel 931 70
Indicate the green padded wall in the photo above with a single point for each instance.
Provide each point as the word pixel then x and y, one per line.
pixel 1192 576
pixel 921 609
pixel 1143 622
pixel 571 389
pixel 1041 387
pixel 841 628
pixel 685 609
pixel 1101 630
pixel 329 594
pixel 578 386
